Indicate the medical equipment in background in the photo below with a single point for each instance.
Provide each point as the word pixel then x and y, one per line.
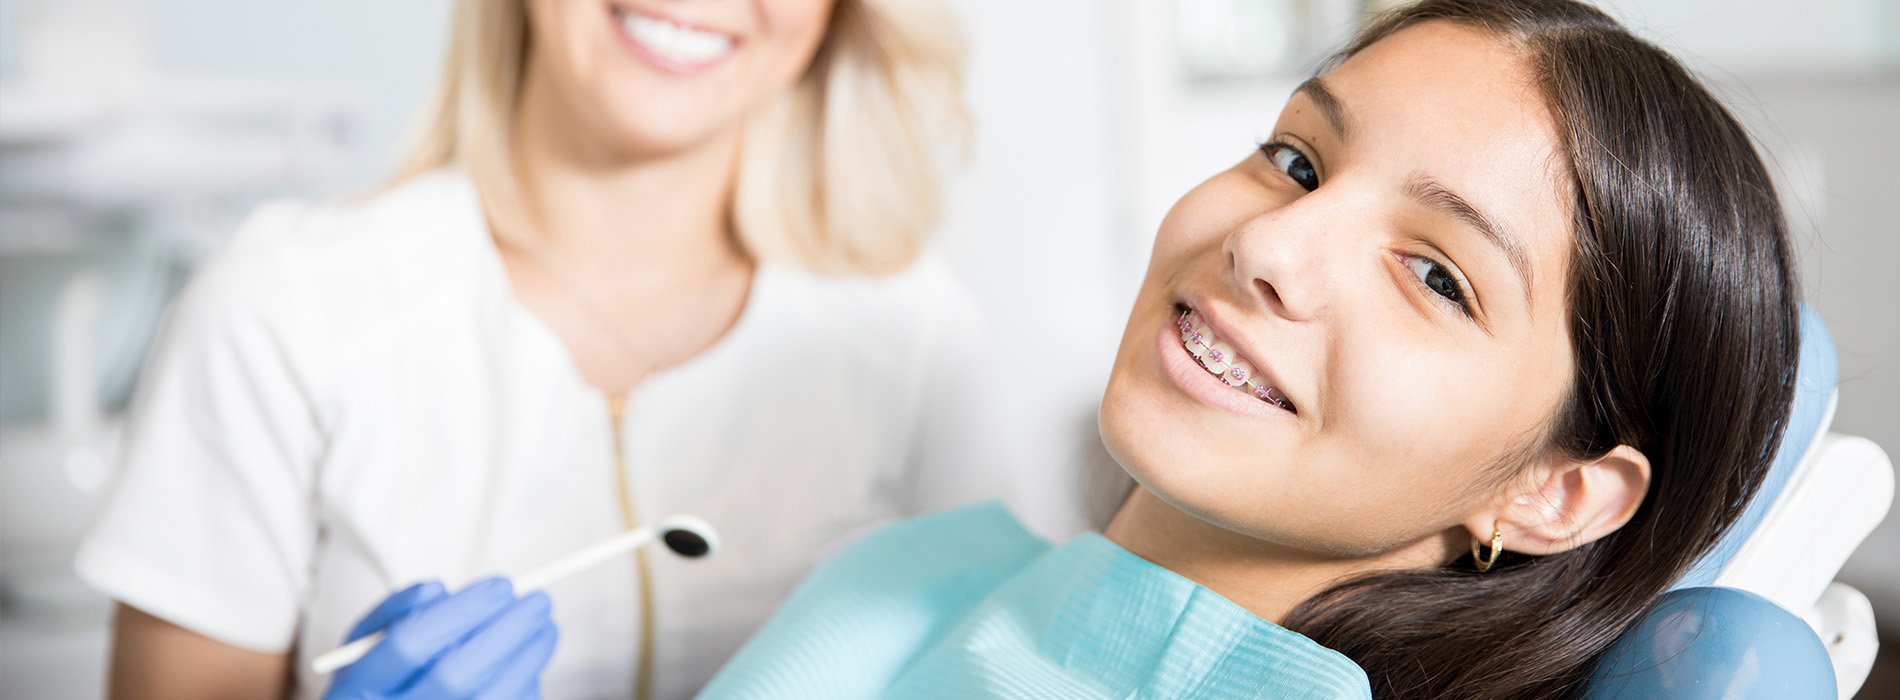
pixel 1226 40
pixel 686 535
pixel 1729 629
pixel 115 178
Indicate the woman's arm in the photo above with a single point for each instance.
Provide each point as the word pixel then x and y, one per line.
pixel 156 660
pixel 208 527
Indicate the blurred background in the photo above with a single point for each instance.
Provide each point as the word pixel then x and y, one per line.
pixel 135 134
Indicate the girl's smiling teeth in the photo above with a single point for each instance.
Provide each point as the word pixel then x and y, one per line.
pixel 673 42
pixel 1220 360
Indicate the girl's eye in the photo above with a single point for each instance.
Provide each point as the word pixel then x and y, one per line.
pixel 1292 162
pixel 1438 279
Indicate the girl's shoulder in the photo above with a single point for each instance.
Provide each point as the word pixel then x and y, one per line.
pixel 966 603
pixel 914 552
pixel 932 567
pixel 863 615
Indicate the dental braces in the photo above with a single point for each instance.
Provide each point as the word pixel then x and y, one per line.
pixel 1264 393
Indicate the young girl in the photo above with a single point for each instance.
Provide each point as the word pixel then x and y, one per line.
pixel 1430 397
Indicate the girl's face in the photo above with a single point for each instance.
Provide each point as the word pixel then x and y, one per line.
pixel 655 76
pixel 1388 273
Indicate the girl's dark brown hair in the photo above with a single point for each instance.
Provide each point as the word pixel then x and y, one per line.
pixel 1683 323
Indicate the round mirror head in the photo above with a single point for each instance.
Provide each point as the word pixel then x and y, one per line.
pixel 689 536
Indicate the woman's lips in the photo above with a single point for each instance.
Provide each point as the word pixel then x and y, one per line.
pixel 671 45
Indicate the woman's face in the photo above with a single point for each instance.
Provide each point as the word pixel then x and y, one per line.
pixel 1388 272
pixel 656 76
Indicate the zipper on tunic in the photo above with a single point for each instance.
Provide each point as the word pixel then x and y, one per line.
pixel 643 675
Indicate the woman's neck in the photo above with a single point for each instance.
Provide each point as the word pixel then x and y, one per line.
pixel 1267 579
pixel 621 244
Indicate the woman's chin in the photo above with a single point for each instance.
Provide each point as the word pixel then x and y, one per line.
pixel 665 125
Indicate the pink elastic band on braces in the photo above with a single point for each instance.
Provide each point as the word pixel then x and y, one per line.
pixel 1264 393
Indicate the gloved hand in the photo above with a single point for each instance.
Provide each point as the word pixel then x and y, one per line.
pixel 482 642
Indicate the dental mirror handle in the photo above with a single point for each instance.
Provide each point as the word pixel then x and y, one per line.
pixel 687 535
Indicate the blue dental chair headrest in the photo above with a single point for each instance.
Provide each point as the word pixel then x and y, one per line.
pixel 1716 643
pixel 1808 419
pixel 1703 641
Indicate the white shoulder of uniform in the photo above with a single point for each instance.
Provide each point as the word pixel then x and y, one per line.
pixel 428 214
pixel 350 261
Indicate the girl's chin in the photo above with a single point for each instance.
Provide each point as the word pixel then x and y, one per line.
pixel 1154 447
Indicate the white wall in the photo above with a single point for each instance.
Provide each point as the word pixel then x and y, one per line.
pixel 381 56
pixel 1771 37
pixel 1835 143
pixel 1038 228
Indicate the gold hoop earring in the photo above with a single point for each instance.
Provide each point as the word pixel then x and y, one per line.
pixel 1497 547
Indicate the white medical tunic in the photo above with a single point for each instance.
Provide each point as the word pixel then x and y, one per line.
pixel 349 399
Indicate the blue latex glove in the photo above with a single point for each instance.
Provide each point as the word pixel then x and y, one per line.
pixel 481 643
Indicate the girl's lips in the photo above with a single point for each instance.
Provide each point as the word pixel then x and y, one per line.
pixel 1192 378
pixel 1223 360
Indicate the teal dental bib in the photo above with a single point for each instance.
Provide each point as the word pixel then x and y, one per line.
pixel 966 604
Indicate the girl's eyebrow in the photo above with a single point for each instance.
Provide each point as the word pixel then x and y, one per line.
pixel 1329 106
pixel 1431 193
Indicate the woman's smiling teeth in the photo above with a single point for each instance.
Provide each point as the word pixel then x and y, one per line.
pixel 673 42
pixel 1220 360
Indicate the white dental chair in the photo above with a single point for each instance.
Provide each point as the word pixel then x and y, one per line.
pixel 1731 628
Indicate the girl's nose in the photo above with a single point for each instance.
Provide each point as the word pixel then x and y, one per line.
pixel 1281 259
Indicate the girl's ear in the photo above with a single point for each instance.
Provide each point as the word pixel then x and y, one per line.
pixel 1564 505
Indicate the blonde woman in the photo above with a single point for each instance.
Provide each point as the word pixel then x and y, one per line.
pixel 647 257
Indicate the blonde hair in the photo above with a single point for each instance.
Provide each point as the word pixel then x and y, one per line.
pixel 839 174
